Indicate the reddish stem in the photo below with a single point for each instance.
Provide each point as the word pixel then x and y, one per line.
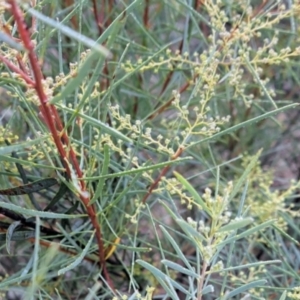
pixel 15 69
pixel 54 124
pixel 162 173
pixel 146 14
pixel 74 22
pixel 38 79
pixel 66 141
pixel 98 17
pixel 168 103
pixel 22 65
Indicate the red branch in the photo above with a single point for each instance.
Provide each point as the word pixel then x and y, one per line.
pixel 15 69
pixel 146 15
pixel 38 80
pixel 55 126
pixel 99 17
pixel 162 173
pixel 168 103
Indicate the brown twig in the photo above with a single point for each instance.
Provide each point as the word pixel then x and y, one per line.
pixel 162 173
pixel 102 25
pixel 168 103
pixel 38 79
pixel 99 17
pixel 74 22
pixel 54 124
pixel 169 76
pixel 15 69
pixel 146 15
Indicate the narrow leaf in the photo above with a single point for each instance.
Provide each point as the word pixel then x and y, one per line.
pixel 208 289
pixel 9 234
pixel 244 124
pixel 179 268
pixel 61 192
pixel 18 235
pixel 34 213
pixel 190 231
pixel 245 174
pixel 74 83
pixel 247 232
pixel 244 288
pixel 283 296
pixel 177 249
pixel 30 187
pixel 104 172
pixel 20 146
pixel 11 42
pixel 236 224
pixel 259 81
pixel 193 192
pixel 69 32
pixel 34 278
pixel 159 276
pixel 98 124
pixel 251 265
pixel 79 259
pixel 24 179
pixel 172 214
pixel 175 297
pixel 27 268
pixel 141 169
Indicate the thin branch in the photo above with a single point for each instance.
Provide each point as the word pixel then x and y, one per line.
pixel 38 79
pixel 15 69
pixel 201 281
pixel 53 122
pixel 146 15
pixel 162 173
pixel 98 17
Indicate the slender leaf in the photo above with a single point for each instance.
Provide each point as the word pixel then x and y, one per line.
pixel 177 249
pixel 236 224
pixel 208 289
pixel 179 268
pixel 72 85
pixel 20 146
pixel 79 259
pixel 257 77
pixel 25 179
pixel 34 275
pixel 175 296
pixel 69 32
pixel 159 275
pixel 34 213
pixel 245 174
pixel 19 235
pixel 11 42
pixel 193 192
pixel 9 234
pixel 244 288
pixel 141 169
pixel 30 187
pixel 251 265
pixel 283 296
pixel 97 124
pixel 190 231
pixel 59 195
pixel 247 232
pixel 245 124
pixel 104 172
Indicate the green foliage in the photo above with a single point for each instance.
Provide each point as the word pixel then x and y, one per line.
pixel 179 113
